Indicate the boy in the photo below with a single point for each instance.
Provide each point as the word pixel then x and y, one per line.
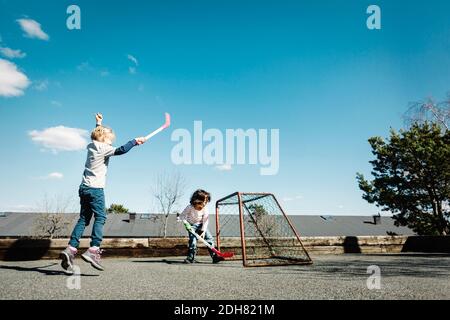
pixel 92 198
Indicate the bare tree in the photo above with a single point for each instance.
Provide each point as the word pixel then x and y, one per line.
pixel 168 190
pixel 51 221
pixel 429 110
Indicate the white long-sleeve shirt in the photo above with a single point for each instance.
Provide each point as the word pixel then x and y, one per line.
pixel 194 216
pixel 97 161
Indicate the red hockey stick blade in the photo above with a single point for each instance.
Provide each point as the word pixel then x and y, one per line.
pixel 223 254
pixel 227 254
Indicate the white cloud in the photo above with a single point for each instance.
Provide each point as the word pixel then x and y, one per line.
pixel 133 59
pixel 19 208
pixel 52 176
pixel 132 70
pixel 12 81
pixel 32 29
pixel 297 197
pixel 56 103
pixel 60 138
pixel 10 53
pixel 224 167
pixel 41 85
pixel 55 175
pixel 104 73
pixel 22 206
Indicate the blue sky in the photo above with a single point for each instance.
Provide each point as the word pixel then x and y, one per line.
pixel 310 68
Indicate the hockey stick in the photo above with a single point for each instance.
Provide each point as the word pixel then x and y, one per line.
pixel 188 227
pixel 164 126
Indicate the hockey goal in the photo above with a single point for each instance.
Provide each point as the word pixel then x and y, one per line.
pixel 256 226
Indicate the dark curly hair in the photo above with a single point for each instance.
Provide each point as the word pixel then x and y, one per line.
pixel 200 196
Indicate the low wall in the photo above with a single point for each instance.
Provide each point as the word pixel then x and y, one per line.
pixel 35 249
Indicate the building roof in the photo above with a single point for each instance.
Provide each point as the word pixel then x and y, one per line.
pixel 150 225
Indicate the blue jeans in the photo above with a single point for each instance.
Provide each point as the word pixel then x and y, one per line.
pixel 92 201
pixel 193 240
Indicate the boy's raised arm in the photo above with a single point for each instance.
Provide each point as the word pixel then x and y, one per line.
pixel 98 119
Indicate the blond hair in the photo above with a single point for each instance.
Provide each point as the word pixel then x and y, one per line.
pixel 101 133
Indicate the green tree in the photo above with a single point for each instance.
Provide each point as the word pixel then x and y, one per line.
pixel 262 220
pixel 117 208
pixel 258 211
pixel 412 177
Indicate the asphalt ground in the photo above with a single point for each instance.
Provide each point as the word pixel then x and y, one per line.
pixel 404 276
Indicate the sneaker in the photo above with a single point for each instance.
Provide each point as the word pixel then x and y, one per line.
pixel 190 259
pixel 217 259
pixel 67 257
pixel 93 256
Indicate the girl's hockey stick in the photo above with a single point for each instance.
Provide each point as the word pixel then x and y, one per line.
pixel 164 126
pixel 188 227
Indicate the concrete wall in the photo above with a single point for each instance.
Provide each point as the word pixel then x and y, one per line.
pixel 35 249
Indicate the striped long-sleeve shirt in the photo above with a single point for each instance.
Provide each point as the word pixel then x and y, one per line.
pixel 194 216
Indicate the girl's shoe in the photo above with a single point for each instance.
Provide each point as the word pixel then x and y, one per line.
pixel 67 256
pixel 93 256
pixel 217 259
pixel 190 259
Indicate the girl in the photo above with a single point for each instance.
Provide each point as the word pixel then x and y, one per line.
pixel 197 215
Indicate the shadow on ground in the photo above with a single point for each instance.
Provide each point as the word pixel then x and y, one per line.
pixel 160 261
pixel 202 263
pixel 424 266
pixel 44 270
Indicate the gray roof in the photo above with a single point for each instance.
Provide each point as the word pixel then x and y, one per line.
pixel 310 226
pixel 150 225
